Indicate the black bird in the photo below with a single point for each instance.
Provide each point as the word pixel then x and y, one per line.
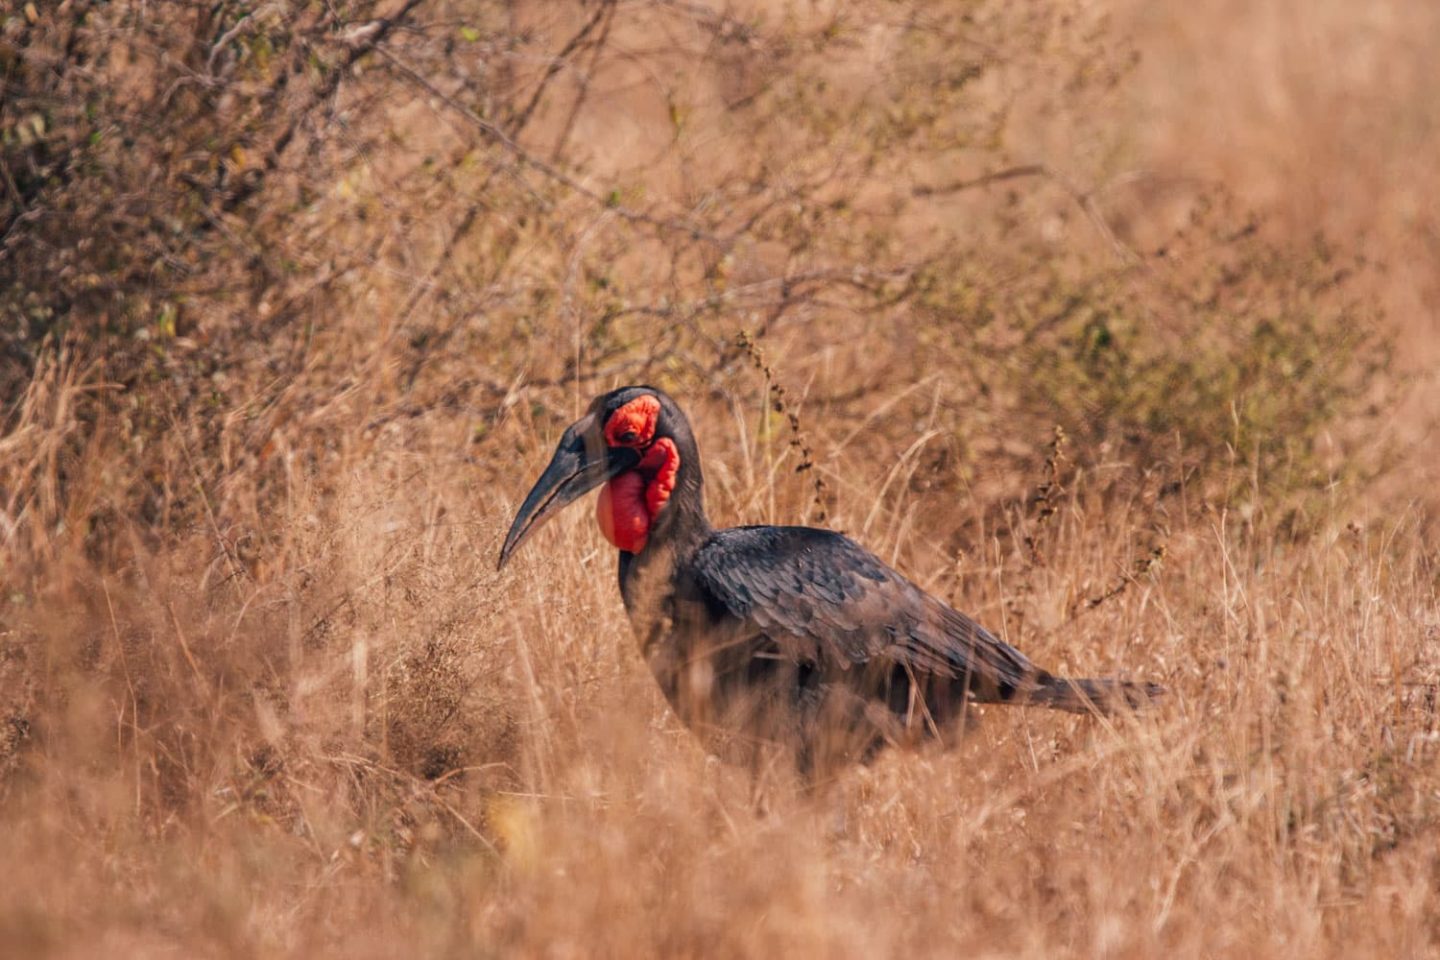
pixel 763 636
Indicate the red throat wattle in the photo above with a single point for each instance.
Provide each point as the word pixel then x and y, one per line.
pixel 629 503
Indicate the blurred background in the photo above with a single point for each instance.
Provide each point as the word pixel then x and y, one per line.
pixel 1113 322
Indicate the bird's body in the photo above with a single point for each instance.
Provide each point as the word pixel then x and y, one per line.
pixel 765 637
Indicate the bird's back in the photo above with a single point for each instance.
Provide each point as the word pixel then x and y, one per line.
pixel 827 598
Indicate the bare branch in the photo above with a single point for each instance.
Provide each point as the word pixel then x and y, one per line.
pixel 1084 199
pixel 690 228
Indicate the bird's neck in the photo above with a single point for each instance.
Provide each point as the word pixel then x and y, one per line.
pixel 660 501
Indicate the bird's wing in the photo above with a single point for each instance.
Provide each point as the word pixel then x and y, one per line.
pixel 819 595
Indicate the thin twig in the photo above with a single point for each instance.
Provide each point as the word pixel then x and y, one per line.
pixel 690 228
pixel 558 62
pixel 1084 199
pixel 781 405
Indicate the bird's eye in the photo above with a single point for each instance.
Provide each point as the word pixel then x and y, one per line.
pixel 629 436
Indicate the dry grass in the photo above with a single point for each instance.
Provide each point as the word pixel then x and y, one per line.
pixel 262 693
pixel 421 755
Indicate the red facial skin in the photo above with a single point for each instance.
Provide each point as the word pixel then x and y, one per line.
pixel 633 425
pixel 661 464
pixel 630 502
pixel 621 511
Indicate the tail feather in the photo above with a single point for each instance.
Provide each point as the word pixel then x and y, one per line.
pixel 1079 695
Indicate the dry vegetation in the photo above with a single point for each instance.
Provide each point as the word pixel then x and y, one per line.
pixel 1115 327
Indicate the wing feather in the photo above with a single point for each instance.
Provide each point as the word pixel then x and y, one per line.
pixel 818 594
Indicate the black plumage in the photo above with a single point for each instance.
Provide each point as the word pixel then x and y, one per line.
pixel 824 597
pixel 794 638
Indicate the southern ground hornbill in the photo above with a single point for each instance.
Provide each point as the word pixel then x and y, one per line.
pixel 776 637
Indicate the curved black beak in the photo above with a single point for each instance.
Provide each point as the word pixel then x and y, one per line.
pixel 581 463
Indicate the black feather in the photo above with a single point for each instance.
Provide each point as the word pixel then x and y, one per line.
pixel 822 595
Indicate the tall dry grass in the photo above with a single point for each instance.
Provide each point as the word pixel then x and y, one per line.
pixel 294 318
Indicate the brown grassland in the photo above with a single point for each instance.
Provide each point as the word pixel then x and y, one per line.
pixel 1114 323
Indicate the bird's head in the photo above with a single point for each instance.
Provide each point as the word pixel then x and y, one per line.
pixel 629 439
